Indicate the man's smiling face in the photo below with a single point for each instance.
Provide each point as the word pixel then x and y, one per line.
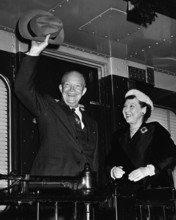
pixel 72 88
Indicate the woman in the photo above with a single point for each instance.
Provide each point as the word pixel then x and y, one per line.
pixel 143 152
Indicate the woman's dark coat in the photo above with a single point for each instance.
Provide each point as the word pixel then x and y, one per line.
pixel 151 144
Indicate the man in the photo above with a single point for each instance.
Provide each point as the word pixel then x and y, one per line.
pixel 64 147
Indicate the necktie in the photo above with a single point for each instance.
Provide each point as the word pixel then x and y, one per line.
pixel 77 118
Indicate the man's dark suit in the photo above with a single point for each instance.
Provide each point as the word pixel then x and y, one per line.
pixel 61 153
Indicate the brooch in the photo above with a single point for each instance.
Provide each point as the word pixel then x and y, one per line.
pixel 143 130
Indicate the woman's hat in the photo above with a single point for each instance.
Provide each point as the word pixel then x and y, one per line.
pixel 36 24
pixel 140 96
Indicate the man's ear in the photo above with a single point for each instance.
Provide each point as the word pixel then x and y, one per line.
pixel 84 90
pixel 60 87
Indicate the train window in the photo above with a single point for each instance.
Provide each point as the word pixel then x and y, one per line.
pixel 51 68
pixel 5 130
pixel 167 118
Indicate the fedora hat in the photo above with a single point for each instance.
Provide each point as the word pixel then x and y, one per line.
pixel 36 24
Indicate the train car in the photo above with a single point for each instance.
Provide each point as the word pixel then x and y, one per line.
pixel 118 45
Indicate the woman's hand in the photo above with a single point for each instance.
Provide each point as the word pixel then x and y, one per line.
pixel 38 47
pixel 141 173
pixel 117 172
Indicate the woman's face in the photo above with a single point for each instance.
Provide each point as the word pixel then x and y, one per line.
pixel 133 112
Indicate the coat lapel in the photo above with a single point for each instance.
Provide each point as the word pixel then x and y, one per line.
pixel 68 120
pixel 137 148
pixel 89 127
